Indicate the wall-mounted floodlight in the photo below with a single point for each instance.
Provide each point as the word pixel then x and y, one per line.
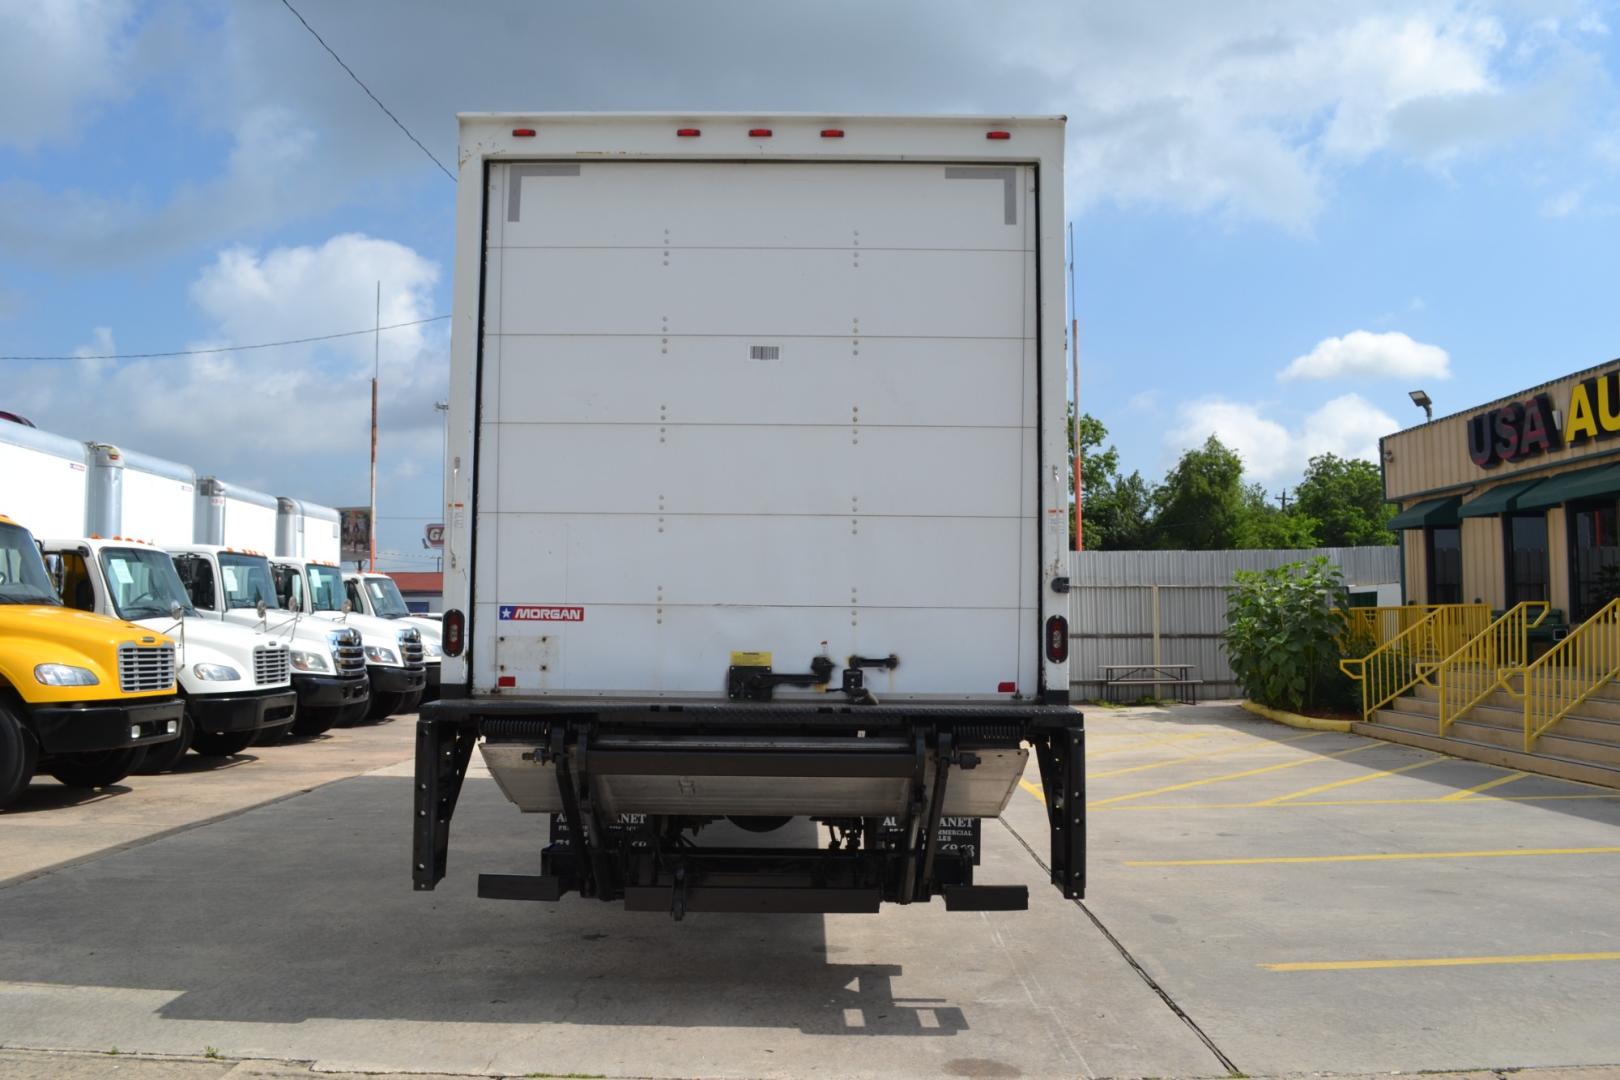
pixel 1421 400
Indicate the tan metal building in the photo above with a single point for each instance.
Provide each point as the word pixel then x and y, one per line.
pixel 1515 499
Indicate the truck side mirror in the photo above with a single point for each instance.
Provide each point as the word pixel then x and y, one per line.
pixel 260 608
pixel 347 607
pixel 175 610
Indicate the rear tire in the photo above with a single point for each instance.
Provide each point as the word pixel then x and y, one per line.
pixel 223 743
pixel 385 704
pixel 755 823
pixel 97 768
pixel 314 721
pixel 161 757
pixel 18 756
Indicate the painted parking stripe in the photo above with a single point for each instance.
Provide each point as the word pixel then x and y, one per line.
pixel 1249 743
pixel 1375 775
pixel 1313 759
pixel 1486 786
pixel 1443 961
pixel 1385 856
pixel 1438 801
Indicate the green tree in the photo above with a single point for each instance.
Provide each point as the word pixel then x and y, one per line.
pixel 1202 503
pixel 1268 526
pixel 1119 515
pixel 1346 497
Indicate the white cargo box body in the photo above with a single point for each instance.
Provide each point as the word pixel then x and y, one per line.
pixel 235 516
pixel 741 393
pixel 306 530
pixel 136 495
pixel 43 480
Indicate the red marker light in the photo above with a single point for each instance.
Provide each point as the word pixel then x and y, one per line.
pixel 506 680
pixel 455 632
pixel 832 133
pixel 1007 688
pixel 998 134
pixel 688 133
pixel 523 133
pixel 759 133
pixel 1057 639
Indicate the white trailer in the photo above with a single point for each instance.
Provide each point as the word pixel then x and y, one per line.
pixel 137 495
pixel 235 516
pixel 757 482
pixel 306 530
pixel 44 480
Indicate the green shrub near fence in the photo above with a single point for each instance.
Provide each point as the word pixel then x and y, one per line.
pixel 1285 635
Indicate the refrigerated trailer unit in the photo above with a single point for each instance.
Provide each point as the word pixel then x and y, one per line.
pixel 134 494
pixel 306 530
pixel 235 516
pixel 757 505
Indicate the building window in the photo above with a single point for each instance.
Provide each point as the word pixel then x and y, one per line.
pixel 1526 536
pixel 1594 558
pixel 1445 564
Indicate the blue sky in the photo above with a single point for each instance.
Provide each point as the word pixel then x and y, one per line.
pixel 1374 196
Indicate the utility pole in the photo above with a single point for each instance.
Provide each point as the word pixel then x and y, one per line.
pixel 376 369
pixel 1284 497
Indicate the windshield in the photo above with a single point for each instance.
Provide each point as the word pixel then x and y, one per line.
pixel 247 581
pixel 325 588
pixel 385 598
pixel 143 583
pixel 22 573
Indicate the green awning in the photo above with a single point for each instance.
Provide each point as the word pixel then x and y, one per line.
pixel 1584 484
pixel 1501 499
pixel 1432 512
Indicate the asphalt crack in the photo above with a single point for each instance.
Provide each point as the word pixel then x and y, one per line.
pixel 1153 984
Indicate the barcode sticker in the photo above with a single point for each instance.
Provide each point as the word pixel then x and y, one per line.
pixel 764 352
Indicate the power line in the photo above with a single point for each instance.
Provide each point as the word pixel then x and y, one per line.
pixel 369 94
pixel 233 348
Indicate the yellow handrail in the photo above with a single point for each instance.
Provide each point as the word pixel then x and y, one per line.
pixel 1393 668
pixel 1381 623
pixel 1571 671
pixel 1486 661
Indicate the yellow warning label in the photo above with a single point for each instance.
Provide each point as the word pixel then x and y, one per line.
pixel 750 659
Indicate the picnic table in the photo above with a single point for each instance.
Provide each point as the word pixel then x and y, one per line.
pixel 1178 676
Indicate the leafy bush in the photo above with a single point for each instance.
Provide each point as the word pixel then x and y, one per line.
pixel 1283 631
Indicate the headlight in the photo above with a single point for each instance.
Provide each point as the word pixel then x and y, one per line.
pixel 65 675
pixel 309 661
pixel 380 655
pixel 215 672
pixel 431 650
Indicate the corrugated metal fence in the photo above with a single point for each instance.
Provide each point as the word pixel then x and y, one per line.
pixel 1169 607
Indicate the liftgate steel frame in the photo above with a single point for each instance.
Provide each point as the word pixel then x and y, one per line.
pixel 660 870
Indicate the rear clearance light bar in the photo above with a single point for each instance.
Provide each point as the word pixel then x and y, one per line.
pixel 832 133
pixel 523 133
pixel 688 133
pixel 759 133
pixel 998 134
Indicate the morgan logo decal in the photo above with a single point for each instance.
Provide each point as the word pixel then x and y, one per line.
pixel 541 613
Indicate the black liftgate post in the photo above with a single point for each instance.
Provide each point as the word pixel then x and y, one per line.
pixel 1060 752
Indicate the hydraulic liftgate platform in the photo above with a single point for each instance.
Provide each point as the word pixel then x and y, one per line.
pixel 629 784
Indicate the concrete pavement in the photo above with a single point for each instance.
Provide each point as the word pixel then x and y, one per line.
pixel 1248 871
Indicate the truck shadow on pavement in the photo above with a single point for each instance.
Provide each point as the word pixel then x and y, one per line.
pixel 40 796
pixel 303 909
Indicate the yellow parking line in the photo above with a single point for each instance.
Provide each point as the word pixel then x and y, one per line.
pixel 1249 744
pixel 1443 961
pixel 1164 741
pixel 1034 789
pixel 1235 776
pixel 1377 774
pixel 1486 786
pixel 1389 856
pixel 1437 801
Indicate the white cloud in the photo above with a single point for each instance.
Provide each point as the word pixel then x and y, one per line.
pixel 54 57
pixel 1362 354
pixel 291 420
pixel 1348 426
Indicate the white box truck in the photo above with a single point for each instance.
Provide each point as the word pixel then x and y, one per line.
pixel 757 505
pixel 378 595
pixel 235 680
pixel 328 662
pixel 44 479
pixel 395 663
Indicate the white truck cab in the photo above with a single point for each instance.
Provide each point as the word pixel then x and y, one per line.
pixel 394 653
pixel 378 595
pixel 328 662
pixel 236 680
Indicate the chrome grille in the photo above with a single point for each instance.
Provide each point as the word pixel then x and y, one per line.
pixel 350 654
pixel 410 648
pixel 270 664
pixel 141 670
